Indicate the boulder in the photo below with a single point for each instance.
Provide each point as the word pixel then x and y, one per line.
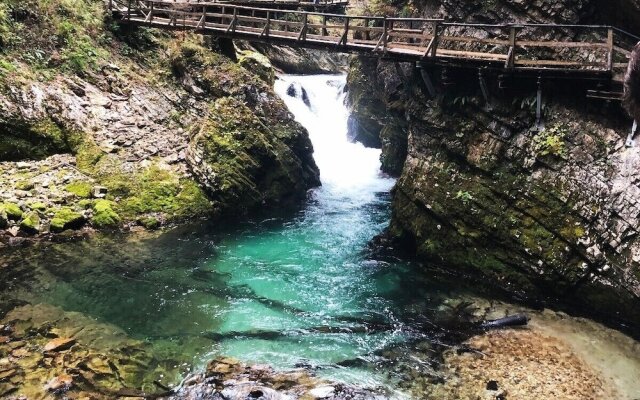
pixel 12 210
pixel 258 64
pixel 30 224
pixel 244 162
pixel 66 218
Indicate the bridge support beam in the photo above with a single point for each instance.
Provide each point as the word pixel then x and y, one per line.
pixel 631 138
pixel 428 83
pixel 539 122
pixel 484 89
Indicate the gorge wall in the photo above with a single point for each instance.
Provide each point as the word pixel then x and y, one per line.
pixel 546 214
pixel 108 126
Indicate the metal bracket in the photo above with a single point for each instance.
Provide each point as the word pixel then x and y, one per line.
pixel 539 121
pixel 631 138
pixel 484 89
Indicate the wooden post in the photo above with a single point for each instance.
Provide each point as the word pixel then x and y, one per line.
pixel 432 47
pixel 149 18
pixel 110 5
pixel 385 35
pixel 511 56
pixel 610 49
pixel 367 34
pixel 324 26
pixel 303 32
pixel 343 39
pixel 234 21
pixel 265 31
pixel 129 10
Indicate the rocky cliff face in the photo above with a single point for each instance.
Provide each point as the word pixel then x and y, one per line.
pixel 539 213
pixel 100 125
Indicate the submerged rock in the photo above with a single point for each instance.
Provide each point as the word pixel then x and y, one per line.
pixel 59 383
pixel 227 378
pixel 59 344
pixel 517 364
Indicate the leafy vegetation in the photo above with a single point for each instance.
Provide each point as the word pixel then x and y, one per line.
pixel 52 33
pixel 551 141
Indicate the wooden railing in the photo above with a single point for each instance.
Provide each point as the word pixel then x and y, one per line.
pixel 588 49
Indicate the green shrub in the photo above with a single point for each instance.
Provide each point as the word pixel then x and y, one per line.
pixel 551 141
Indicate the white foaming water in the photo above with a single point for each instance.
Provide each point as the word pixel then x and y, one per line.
pixel 346 169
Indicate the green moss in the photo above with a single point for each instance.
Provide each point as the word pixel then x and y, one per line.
pixel 149 222
pixel 80 189
pixel 13 211
pixel 88 156
pixel 38 206
pixel 66 218
pixel 85 203
pixel 213 72
pixel 104 216
pixel 258 64
pixel 24 185
pixel 34 140
pixel 31 223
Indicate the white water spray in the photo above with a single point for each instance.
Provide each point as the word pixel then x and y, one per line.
pixel 346 169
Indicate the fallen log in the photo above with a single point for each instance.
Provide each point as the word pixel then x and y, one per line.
pixel 509 321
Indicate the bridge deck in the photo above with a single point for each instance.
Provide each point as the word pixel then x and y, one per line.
pixel 584 52
pixel 275 4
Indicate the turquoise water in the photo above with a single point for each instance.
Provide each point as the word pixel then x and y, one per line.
pixel 296 288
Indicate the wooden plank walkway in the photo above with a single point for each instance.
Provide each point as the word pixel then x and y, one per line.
pixel 584 52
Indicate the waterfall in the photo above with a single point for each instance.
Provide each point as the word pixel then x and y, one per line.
pixel 347 169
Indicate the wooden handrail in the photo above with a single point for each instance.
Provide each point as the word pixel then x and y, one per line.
pixel 420 39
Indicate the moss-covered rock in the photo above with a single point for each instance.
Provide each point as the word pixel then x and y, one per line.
pixel 80 189
pixel 12 210
pixel 4 219
pixel 244 163
pixel 104 216
pixel 38 206
pixel 30 224
pixel 258 64
pixel 22 139
pixel 149 222
pixel 66 218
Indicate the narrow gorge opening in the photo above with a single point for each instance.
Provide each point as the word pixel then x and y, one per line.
pixel 292 289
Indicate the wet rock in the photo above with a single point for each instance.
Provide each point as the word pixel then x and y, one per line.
pixel 297 91
pixel 302 61
pixel 256 62
pixel 322 392
pixel 59 344
pixel 243 186
pixel 59 383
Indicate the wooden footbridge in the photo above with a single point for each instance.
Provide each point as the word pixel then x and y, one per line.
pixel 572 51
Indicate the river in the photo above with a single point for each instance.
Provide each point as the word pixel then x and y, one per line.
pixel 293 288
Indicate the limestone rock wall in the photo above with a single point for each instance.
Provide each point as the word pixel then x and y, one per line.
pixel 544 215
pixel 97 123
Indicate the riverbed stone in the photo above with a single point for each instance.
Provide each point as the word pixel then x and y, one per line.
pixel 518 364
pixel 30 224
pixel 59 344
